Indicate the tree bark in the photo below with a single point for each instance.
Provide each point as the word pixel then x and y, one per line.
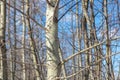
pixel 32 42
pixel 23 46
pixel 3 57
pixel 108 52
pixel 53 59
pixel 79 57
pixel 107 40
pixel 86 21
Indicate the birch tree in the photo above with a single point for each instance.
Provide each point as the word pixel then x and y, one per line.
pixel 53 59
pixel 3 57
pixel 23 46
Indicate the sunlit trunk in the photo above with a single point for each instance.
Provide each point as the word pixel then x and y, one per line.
pixel 3 57
pixel 53 60
pixel 23 46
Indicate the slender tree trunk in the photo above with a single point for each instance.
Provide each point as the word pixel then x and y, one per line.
pixel 63 65
pixel 85 21
pixel 23 47
pixel 15 43
pixel 73 47
pixel 84 26
pixel 53 59
pixel 79 57
pixel 94 41
pixel 87 52
pixel 61 54
pixel 108 53
pixel 32 43
pixel 107 40
pixel 3 57
pixel 11 49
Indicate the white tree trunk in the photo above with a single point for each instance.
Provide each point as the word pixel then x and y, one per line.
pixel 53 60
pixel 32 42
pixel 23 50
pixel 3 62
